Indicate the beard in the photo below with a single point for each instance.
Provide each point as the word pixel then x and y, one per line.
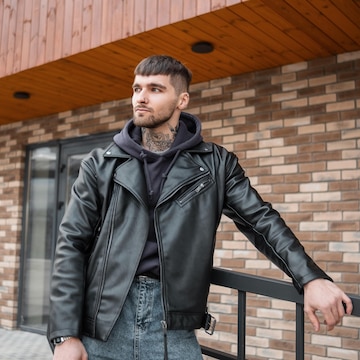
pixel 150 120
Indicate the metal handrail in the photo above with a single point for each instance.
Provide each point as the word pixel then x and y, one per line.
pixel 278 289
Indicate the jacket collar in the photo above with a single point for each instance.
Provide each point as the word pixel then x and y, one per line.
pixel 129 172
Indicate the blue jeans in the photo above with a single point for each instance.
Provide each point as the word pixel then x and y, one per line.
pixel 138 332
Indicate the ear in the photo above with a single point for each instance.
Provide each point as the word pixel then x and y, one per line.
pixel 183 100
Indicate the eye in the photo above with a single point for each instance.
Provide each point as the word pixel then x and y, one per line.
pixel 136 89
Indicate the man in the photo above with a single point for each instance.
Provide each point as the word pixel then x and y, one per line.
pixel 134 255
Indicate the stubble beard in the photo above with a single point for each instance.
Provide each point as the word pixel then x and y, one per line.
pixel 151 121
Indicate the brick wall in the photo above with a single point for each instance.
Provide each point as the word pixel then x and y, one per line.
pixel 296 131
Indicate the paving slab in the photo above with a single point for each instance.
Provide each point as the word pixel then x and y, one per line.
pixel 23 345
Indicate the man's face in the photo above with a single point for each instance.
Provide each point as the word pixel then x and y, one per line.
pixel 155 101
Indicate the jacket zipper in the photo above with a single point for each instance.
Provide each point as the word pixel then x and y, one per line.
pixel 102 282
pixel 195 189
pixel 164 323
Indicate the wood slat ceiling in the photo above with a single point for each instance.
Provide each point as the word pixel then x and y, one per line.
pixel 250 36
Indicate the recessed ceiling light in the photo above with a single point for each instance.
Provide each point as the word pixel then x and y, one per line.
pixel 21 95
pixel 202 47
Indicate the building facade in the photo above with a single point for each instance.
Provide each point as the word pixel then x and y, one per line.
pixel 294 124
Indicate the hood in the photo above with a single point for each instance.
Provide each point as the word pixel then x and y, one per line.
pixel 188 136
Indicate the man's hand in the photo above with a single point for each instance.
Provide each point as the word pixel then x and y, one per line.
pixel 325 296
pixel 72 349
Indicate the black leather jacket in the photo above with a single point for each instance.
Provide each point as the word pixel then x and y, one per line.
pixel 93 270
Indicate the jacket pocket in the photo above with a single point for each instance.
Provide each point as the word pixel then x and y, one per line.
pixel 195 189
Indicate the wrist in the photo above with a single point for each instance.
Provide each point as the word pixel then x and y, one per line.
pixel 60 340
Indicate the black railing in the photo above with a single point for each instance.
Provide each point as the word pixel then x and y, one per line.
pixel 277 289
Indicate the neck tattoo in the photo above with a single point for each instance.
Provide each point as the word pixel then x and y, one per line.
pixel 158 142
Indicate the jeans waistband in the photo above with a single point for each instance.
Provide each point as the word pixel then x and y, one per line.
pixel 146 278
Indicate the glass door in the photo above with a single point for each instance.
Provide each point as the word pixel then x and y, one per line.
pixel 38 228
pixel 51 172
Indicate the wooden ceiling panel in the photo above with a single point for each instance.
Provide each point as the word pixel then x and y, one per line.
pixel 249 36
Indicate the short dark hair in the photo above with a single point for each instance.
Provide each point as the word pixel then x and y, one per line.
pixel 180 75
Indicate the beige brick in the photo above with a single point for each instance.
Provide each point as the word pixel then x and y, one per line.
pixel 300 66
pixel 298 197
pixel 312 129
pixel 248 110
pixel 220 82
pixel 257 264
pixel 271 125
pixel 327 196
pixel 298 121
pixel 269 143
pixel 286 208
pixel 284 169
pixel 351 215
pixel 344 164
pixel 212 92
pixel 64 114
pixel 326 340
pixel 243 94
pixel 327 176
pixel 338 125
pixel 350 56
pixel 283 78
pixel 323 80
pixel 328 216
pixel 314 226
pixel 211 108
pixel 314 187
pixel 264 134
pixel 212 124
pixel 269 333
pixel 294 103
pixel 350 174
pixel 258 153
pixel 296 85
pixel 285 150
pixel 350 134
pixel 351 154
pixel 268 353
pixel 340 353
pixel 342 145
pixel 344 247
pixel 222 131
pixel 322 99
pixel 273 160
pixel 234 104
pixel 338 87
pixel 290 95
pixel 234 138
pixel 340 106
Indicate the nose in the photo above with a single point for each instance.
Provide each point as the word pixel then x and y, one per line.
pixel 141 97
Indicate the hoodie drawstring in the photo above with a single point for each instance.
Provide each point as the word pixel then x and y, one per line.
pixel 166 172
pixel 143 156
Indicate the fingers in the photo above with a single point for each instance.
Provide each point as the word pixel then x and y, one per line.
pixel 329 299
pixel 347 304
pixel 314 320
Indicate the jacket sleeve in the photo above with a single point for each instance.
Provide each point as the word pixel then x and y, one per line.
pixel 265 228
pixel 76 234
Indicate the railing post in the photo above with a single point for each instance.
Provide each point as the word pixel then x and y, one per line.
pixel 300 339
pixel 241 325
